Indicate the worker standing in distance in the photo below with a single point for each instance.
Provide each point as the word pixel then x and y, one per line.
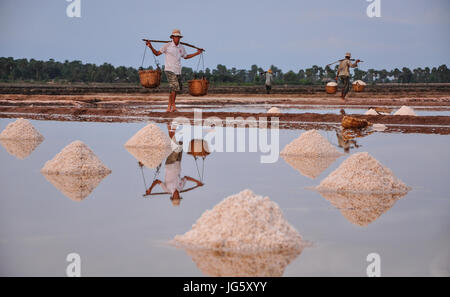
pixel 344 73
pixel 269 80
pixel 174 52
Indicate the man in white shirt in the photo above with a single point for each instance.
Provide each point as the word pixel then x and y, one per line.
pixel 174 52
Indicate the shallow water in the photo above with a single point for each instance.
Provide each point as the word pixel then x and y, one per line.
pixel 117 232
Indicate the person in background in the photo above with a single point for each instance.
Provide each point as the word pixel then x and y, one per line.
pixel 344 73
pixel 269 80
pixel 174 52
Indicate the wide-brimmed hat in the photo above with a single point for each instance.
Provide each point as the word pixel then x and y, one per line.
pixel 348 55
pixel 176 32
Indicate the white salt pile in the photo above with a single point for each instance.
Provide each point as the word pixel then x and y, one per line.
pixel 75 187
pixel 362 208
pixel 310 167
pixel 371 112
pixel 274 110
pixel 231 264
pixel 151 157
pixel 149 136
pixel 405 110
pixel 20 129
pixel 76 159
pixel 311 144
pixel 362 173
pixel 21 148
pixel 379 127
pixel 242 222
pixel 332 84
pixel 359 82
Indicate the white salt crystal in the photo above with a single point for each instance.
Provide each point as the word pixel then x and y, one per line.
pixel 149 136
pixel 311 144
pixel 405 110
pixel 20 129
pixel 274 110
pixel 362 173
pixel 242 222
pixel 359 82
pixel 332 84
pixel 371 112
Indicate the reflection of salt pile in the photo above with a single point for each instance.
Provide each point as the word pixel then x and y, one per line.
pixel 371 112
pixel 75 187
pixel 242 222
pixel 274 110
pixel 76 158
pixel 405 110
pixel 76 171
pixel 151 157
pixel 150 145
pixel 149 136
pixel 311 144
pixel 362 173
pixel 362 208
pixel 310 167
pixel 231 264
pixel 20 138
pixel 20 129
pixel 21 148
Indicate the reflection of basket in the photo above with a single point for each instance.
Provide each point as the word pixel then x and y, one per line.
pixel 198 148
pixel 350 122
pixel 331 89
pixel 358 87
pixel 198 87
pixel 150 78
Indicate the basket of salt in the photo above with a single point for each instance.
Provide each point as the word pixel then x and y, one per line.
pixel 359 86
pixel 351 123
pixel 331 87
pixel 150 78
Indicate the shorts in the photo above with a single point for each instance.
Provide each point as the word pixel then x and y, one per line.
pixel 175 83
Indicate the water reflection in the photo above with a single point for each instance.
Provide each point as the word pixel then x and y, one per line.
pixel 362 208
pixel 173 184
pixel 21 148
pixel 310 167
pixel 231 264
pixel 75 187
pixel 347 137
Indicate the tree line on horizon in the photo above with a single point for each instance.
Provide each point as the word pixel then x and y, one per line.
pixel 12 70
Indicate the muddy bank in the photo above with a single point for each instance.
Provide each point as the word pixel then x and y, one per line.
pixel 311 90
pixel 404 124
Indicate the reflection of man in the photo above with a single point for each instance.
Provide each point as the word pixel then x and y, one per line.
pixel 173 182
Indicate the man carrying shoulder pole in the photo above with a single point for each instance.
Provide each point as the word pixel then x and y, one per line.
pixel 344 73
pixel 174 52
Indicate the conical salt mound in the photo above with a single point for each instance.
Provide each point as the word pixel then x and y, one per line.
pixel 242 222
pixel 362 208
pixel 149 136
pixel 21 148
pixel 75 187
pixel 20 129
pixel 405 110
pixel 231 264
pixel 75 159
pixel 151 157
pixel 362 173
pixel 310 144
pixel 310 167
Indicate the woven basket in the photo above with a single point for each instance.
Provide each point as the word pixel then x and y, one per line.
pixel 358 88
pixel 351 122
pixel 198 87
pixel 198 148
pixel 150 78
pixel 331 89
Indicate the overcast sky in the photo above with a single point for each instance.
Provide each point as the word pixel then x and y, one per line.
pixel 289 34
